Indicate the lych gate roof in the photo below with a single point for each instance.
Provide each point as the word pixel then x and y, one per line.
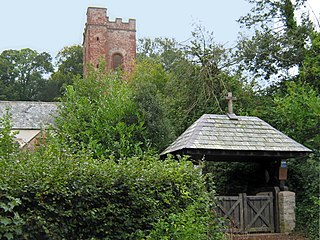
pixel 217 136
pixel 29 115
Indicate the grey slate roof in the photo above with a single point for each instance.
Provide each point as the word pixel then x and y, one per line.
pixel 221 133
pixel 29 115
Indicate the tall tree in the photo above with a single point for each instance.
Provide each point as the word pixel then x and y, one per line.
pixel 198 78
pixel 69 63
pixel 22 73
pixel 310 69
pixel 279 41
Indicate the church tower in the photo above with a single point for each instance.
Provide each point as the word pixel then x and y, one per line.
pixel 113 41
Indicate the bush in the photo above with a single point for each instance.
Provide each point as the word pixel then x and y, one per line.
pixel 98 114
pixel 304 178
pixel 67 196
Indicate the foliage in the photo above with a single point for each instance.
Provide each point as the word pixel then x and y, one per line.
pixel 69 62
pixel 197 80
pixel 279 45
pixel 310 70
pixel 22 74
pixel 68 196
pixel 149 85
pixel 304 177
pixel 299 108
pixel 191 223
pixel 25 73
pixel 279 42
pixel 7 145
pixel 10 220
pixel 297 113
pixel 98 114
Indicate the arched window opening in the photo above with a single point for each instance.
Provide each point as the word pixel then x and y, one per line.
pixel 117 61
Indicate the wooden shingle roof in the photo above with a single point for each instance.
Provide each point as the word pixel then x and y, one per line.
pixel 219 136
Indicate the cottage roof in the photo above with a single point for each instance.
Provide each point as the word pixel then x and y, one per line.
pixel 221 136
pixel 29 115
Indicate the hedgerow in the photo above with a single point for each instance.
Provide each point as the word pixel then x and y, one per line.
pixel 75 197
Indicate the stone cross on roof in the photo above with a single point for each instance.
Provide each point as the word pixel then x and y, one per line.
pixel 230 113
pixel 230 98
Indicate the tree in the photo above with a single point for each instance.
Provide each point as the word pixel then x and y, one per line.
pixel 22 73
pixel 297 113
pixel 149 85
pixel 69 62
pixel 7 144
pixel 279 42
pixel 98 116
pixel 310 69
pixel 199 76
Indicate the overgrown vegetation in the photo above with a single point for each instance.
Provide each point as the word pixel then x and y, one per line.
pixel 96 178
pixel 99 176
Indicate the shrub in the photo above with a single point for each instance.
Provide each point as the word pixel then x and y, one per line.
pixel 10 220
pixel 67 196
pixel 304 178
pixel 7 145
pixel 98 114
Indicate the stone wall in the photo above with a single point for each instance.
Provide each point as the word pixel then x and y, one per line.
pixel 286 206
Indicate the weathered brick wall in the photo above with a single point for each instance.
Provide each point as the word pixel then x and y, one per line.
pixel 104 38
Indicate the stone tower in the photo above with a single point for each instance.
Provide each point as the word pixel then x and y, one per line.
pixel 113 41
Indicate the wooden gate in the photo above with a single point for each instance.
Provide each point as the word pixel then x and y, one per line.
pixel 247 214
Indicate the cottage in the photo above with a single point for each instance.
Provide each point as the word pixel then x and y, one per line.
pixel 29 119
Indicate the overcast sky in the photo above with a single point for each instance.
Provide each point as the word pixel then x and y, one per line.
pixel 50 25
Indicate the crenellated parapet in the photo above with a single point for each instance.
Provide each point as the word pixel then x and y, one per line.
pixel 118 24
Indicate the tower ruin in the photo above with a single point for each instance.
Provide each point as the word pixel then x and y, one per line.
pixel 112 41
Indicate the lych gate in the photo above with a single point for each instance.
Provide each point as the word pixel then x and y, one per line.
pixel 231 138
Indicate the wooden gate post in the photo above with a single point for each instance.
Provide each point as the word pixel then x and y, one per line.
pixel 244 216
pixel 276 209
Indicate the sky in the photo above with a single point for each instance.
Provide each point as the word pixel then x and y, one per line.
pixel 50 25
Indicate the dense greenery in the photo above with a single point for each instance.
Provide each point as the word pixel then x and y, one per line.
pixel 65 196
pixel 21 74
pixel 180 83
pixel 98 115
pixel 93 179
pixel 110 130
pixel 69 63
pixel 28 75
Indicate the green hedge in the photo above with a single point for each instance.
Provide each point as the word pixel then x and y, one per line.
pixel 64 196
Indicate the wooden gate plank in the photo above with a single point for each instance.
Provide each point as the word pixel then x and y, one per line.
pixel 248 213
pixel 229 213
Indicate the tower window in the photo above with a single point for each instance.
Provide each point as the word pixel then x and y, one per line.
pixel 98 38
pixel 117 60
